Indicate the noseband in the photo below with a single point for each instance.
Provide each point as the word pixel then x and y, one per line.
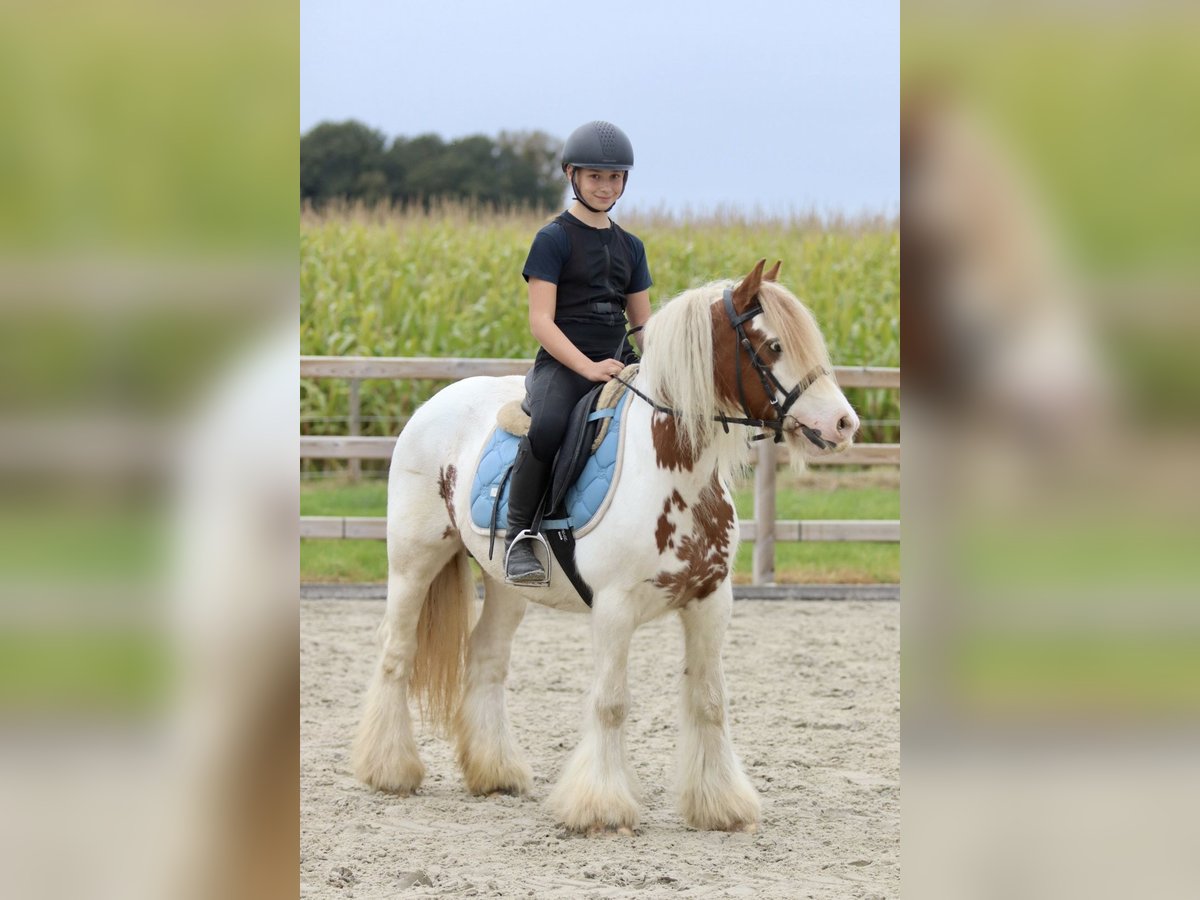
pixel 771 384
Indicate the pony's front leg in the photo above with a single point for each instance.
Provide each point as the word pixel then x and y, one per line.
pixel 714 792
pixel 488 753
pixel 597 791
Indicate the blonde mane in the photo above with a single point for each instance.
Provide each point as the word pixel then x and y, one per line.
pixel 677 367
pixel 796 328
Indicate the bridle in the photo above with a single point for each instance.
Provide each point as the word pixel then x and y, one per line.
pixel 771 385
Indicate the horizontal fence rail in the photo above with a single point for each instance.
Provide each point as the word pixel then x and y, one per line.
pixel 764 531
pixel 453 369
pixel 325 447
pixel 375 528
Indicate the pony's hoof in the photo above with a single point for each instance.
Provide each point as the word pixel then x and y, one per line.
pixel 510 791
pixel 403 787
pixel 396 789
pixel 400 779
pixel 510 780
pixel 744 828
pixel 609 830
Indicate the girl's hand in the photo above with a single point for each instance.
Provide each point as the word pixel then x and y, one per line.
pixel 604 370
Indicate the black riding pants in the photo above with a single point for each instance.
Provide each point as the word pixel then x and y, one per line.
pixel 553 391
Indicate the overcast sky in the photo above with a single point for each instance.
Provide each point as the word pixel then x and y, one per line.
pixel 751 104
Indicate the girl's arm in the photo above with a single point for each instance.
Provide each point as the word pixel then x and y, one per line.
pixel 637 308
pixel 543 300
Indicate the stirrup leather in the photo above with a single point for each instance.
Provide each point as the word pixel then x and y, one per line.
pixel 527 535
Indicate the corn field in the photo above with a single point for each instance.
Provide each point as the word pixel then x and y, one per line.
pixel 447 282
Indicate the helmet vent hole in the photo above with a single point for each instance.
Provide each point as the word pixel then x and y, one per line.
pixel 608 139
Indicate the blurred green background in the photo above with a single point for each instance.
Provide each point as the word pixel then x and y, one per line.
pixel 147 237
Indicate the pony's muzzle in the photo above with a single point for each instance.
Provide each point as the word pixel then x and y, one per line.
pixel 814 435
pixel 839 436
pixel 791 425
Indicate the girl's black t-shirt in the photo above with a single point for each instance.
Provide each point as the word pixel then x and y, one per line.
pixel 595 270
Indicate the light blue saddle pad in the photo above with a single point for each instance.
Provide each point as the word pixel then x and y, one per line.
pixel 584 497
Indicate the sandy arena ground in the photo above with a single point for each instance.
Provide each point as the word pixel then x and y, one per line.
pixel 815 706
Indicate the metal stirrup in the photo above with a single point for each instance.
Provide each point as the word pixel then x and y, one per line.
pixel 527 535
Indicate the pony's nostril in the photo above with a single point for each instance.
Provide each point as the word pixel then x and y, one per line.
pixel 846 424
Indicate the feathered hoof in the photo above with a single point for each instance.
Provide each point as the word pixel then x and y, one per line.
pixel 610 831
pixel 384 755
pixel 513 778
pixel 489 760
pixel 385 762
pixel 593 827
pixel 736 809
pixel 402 779
pixel 733 827
pixel 592 814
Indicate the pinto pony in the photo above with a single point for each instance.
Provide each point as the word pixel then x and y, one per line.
pixel 723 353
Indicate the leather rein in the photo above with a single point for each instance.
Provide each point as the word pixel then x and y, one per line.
pixel 771 385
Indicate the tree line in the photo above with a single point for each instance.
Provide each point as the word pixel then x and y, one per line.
pixel 350 161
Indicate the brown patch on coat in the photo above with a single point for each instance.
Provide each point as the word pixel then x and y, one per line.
pixel 668 452
pixel 665 527
pixel 447 478
pixel 449 533
pixel 664 530
pixel 726 355
pixel 705 552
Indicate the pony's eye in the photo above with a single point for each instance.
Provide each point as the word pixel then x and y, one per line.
pixel 775 347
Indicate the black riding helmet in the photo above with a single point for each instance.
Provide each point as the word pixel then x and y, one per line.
pixel 597 145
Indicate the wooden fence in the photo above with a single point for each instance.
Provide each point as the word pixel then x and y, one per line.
pixel 764 531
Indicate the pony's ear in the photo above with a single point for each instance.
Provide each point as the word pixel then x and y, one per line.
pixel 744 293
pixel 773 275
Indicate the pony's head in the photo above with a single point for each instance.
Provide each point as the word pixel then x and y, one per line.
pixel 748 349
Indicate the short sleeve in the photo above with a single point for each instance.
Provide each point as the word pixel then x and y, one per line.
pixel 639 278
pixel 548 254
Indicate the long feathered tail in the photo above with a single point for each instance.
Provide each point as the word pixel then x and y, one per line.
pixel 442 634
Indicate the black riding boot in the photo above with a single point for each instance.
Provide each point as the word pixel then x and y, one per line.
pixel 526 486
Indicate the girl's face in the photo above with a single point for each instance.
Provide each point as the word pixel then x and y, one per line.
pixel 600 187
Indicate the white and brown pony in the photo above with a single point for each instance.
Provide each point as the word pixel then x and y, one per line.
pixel 748 351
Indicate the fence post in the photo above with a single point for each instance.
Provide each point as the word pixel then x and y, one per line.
pixel 764 513
pixel 355 469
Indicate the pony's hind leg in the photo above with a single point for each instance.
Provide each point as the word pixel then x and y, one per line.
pixel 488 754
pixel 597 791
pixel 384 754
pixel 714 792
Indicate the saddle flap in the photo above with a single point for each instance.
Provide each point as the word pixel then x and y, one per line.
pixel 575 449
